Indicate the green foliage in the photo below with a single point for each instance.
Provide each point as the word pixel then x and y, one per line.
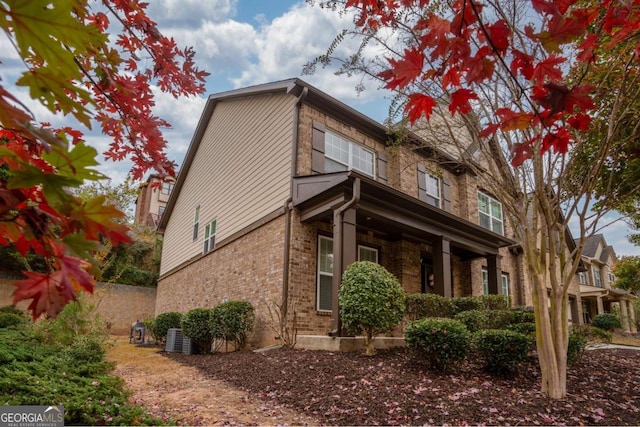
pixel 135 263
pixel 577 345
pixel 495 302
pixel 232 321
pixel 196 325
pixel 440 342
pixel 371 300
pixel 606 321
pixel 474 320
pixel 591 333
pixel 76 376
pixel 8 320
pixel 163 322
pixel 419 306
pixel 526 328
pixel 502 350
pixel 627 272
pixel 78 318
pixel 461 304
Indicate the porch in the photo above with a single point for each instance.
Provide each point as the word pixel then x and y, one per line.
pixel 597 300
pixel 355 204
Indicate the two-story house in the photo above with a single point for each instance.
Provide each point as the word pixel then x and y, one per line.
pixel 597 284
pixel 284 186
pixel 152 199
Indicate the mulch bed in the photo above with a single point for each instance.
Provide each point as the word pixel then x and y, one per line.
pixel 394 388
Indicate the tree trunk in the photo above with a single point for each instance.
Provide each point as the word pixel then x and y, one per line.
pixel 368 342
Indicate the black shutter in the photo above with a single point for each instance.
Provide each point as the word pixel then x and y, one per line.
pixel 382 167
pixel 317 142
pixel 446 194
pixel 422 183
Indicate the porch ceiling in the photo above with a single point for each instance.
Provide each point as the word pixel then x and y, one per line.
pixel 390 214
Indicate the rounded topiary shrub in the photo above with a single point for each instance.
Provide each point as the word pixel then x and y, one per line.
pixel 371 301
pixel 502 350
pixel 440 342
pixel 163 322
pixel 195 325
pixel 419 306
pixel 232 321
pixel 607 321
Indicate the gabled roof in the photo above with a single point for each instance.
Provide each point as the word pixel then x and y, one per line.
pixel 591 245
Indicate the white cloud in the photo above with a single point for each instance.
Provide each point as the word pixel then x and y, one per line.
pixel 187 13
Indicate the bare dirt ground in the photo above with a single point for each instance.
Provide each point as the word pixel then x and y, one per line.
pixel 298 387
pixel 176 392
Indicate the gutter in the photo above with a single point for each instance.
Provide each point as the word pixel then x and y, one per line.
pixel 338 216
pixel 288 208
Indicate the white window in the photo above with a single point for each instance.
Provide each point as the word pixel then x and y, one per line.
pixel 490 212
pixel 597 276
pixel 342 154
pixel 324 299
pixel 160 210
pixel 612 277
pixel 485 283
pixel 196 223
pixel 582 277
pixel 167 187
pixel 209 236
pixel 433 190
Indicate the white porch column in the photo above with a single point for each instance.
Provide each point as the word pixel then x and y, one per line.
pixel 624 314
pixel 600 305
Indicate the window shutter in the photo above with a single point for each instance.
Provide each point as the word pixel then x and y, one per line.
pixel 422 183
pixel 382 167
pixel 317 142
pixel 446 194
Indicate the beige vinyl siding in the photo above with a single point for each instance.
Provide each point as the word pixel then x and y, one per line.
pixel 240 173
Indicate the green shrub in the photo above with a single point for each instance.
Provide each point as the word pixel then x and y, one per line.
pixel 8 320
pixel 495 302
pixel 607 321
pixel 163 322
pixel 89 349
pixel 196 325
pixel 419 306
pixel 591 333
pixel 527 328
pixel 474 320
pixel 523 315
pixel 12 309
pixel 577 345
pixel 461 304
pixel 371 300
pixel 502 350
pixel 440 342
pixel 232 321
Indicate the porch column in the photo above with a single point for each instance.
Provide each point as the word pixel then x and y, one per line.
pixel 632 318
pixel 494 271
pixel 442 267
pixel 344 253
pixel 624 315
pixel 600 305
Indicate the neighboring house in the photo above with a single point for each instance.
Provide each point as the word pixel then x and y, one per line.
pixel 153 196
pixel 284 186
pixel 597 284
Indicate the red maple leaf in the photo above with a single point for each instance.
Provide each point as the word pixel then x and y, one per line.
pixel 579 121
pixel 405 70
pixel 418 105
pixel 548 70
pixel 523 63
pixel 510 120
pixel 558 97
pixel 519 153
pixel 459 101
pixel 499 33
pixel 558 140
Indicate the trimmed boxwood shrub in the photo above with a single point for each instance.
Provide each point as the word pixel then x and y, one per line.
pixel 607 321
pixel 163 322
pixel 502 350
pixel 527 328
pixel 195 325
pixel 419 306
pixel 440 342
pixel 232 321
pixel 591 333
pixel 371 301
pixel 461 304
pixel 474 320
pixel 577 345
pixel 495 302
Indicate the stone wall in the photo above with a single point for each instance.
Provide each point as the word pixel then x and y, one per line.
pixel 118 305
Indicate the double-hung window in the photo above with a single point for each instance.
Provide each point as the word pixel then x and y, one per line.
pixel 597 276
pixel 490 213
pixel 196 223
pixel 582 277
pixel 432 187
pixel 342 154
pixel 504 281
pixel 167 187
pixel 209 236
pixel 324 299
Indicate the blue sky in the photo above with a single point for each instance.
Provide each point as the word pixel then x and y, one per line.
pixel 246 42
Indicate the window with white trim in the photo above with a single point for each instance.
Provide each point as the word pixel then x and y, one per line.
pixel 196 223
pixel 612 277
pixel 582 278
pixel 324 299
pixel 490 213
pixel 342 154
pixel 504 280
pixel 432 187
pixel 161 210
pixel 209 236
pixel 597 276
pixel 167 187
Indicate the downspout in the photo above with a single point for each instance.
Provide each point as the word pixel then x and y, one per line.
pixel 288 207
pixel 337 255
